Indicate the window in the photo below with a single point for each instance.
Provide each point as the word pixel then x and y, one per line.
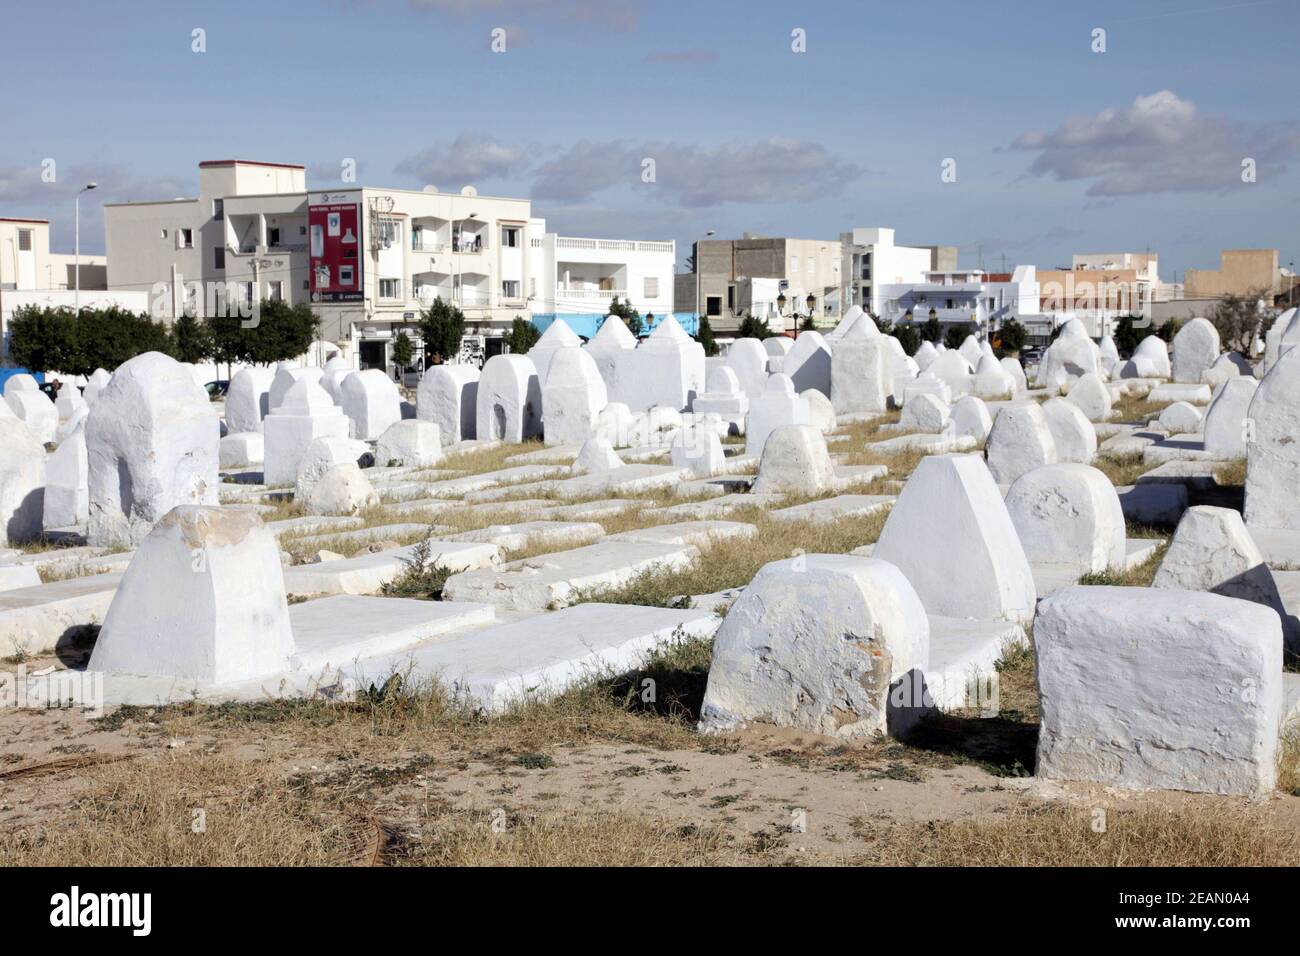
pixel 390 234
pixel 948 303
pixel 219 257
pixel 812 264
pixel 510 288
pixel 306 285
pixel 388 288
pixel 345 275
pixel 24 240
pixel 275 291
pixel 184 238
pixel 532 287
pixel 273 236
pixel 164 233
pixel 651 290
pixel 794 263
pixel 731 298
pixel 302 230
pixel 509 236
pixel 713 305
pixel 218 209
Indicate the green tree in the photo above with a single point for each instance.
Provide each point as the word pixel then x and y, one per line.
pixel 1013 336
pixel 808 324
pixel 1127 336
pixel 907 337
pixel 704 335
pixel 442 326
pixel 932 330
pixel 884 325
pixel 523 335
pixel 191 340
pixel 752 328
pixel 1238 320
pixel 403 350
pixel 276 333
pixel 631 317
pixel 956 335
pixel 1167 330
pixel 44 339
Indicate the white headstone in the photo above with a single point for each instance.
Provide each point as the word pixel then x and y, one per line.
pixel 950 534
pixel 970 416
pixel 1273 453
pixel 795 460
pixel 817 643
pixel 248 399
pixel 1140 687
pixel 305 414
pixel 410 443
pixel 152 442
pixel 860 379
pixel 203 599
pixel 509 400
pixel 343 490
pixel 1020 440
pixel 1069 516
pixel 1226 420
pixel 67 483
pixel 572 397
pixel 777 406
pixel 1072 433
pixel 372 403
pixel 22 478
pixel 448 397
pixel 1196 347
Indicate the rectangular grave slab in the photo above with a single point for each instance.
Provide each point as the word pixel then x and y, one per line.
pixel 313 524
pixel 713 507
pixel 541 657
pixel 698 533
pixel 327 634
pixel 589 510
pixel 528 534
pixel 34 619
pixel 556 580
pixel 363 535
pixel 367 573
pixel 628 479
pixel 830 510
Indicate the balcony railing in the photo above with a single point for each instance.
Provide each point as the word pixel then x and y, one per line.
pixel 589 294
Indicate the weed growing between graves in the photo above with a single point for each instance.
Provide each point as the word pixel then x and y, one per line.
pixel 727 564
pixel 1056 835
pixel 423 577
pixel 1139 576
pixel 1288 765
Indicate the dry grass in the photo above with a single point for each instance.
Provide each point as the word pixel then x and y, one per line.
pixel 1288 767
pixel 1139 576
pixel 1122 470
pixel 1132 409
pixel 477 461
pixel 1065 836
pixel 1231 473
pixel 728 563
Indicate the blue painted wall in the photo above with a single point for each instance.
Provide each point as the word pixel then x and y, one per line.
pixel 8 373
pixel 587 325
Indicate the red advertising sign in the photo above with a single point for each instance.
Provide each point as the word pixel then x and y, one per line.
pixel 334 230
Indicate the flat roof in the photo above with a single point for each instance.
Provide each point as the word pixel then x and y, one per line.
pixel 248 162
pixel 36 221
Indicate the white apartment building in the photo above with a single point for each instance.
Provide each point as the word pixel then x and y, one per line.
pixel 366 259
pixel 965 296
pixel 32 275
pixel 870 260
pixel 573 279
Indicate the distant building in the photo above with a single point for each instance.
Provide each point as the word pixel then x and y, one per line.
pixel 574 279
pixel 1098 288
pixel 369 259
pixel 32 275
pixel 968 298
pixel 870 260
pixel 728 281
pixel 1240 271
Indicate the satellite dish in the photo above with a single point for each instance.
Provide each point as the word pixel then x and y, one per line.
pixel 430 188
pixel 468 191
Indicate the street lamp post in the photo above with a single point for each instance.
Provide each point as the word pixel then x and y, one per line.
pixel 76 268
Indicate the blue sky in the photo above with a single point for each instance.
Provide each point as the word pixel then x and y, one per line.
pixel 1058 149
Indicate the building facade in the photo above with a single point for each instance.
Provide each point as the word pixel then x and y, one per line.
pixel 1240 272
pixel 870 260
pixel 966 297
pixel 728 286
pixel 574 279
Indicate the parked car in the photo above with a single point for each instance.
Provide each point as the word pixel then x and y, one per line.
pixel 50 389
pixel 217 390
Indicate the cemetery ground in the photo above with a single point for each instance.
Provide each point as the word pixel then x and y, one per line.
pixel 601 775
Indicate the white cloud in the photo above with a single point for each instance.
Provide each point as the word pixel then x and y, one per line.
pixel 1159 143
pixel 774 170
pixel 470 158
